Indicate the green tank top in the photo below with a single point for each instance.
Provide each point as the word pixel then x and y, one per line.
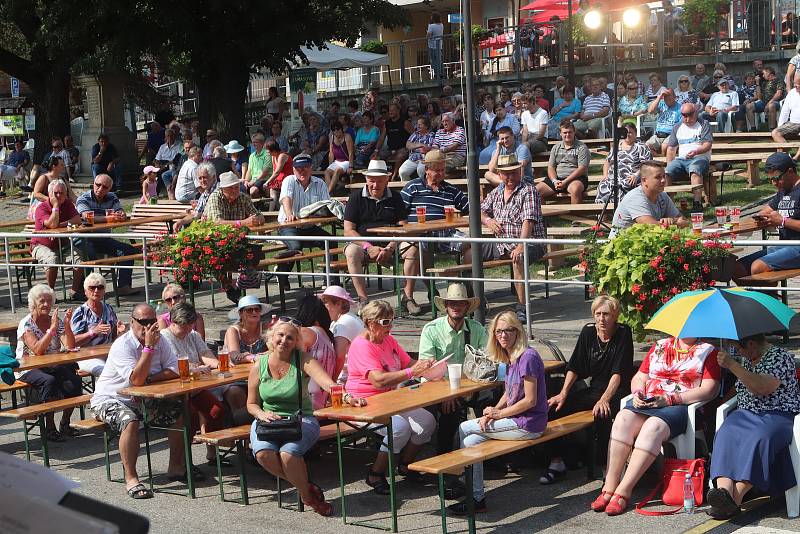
pixel 280 396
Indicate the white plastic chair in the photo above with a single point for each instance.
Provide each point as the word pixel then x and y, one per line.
pixel 792 494
pixel 684 443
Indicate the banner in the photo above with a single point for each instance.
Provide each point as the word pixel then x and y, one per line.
pixel 303 87
pixel 11 125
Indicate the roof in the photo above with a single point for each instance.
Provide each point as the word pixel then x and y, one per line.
pixel 341 57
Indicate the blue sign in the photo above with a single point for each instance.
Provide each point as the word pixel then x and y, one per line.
pixel 454 18
pixel 14 87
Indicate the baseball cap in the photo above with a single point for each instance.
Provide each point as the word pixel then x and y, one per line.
pixel 301 160
pixel 779 161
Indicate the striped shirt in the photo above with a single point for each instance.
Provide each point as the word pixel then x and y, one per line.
pixel 444 139
pixel 417 193
pixel 301 197
pixel 425 139
pixel 84 319
pixel 595 104
pixel 525 204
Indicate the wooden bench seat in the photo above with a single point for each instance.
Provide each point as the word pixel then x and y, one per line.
pixel 164 207
pixel 89 425
pixel 13 388
pixel 268 262
pixel 770 277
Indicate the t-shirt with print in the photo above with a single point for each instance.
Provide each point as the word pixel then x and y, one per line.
pixel 668 117
pixel 636 204
pixel 688 138
pixel 770 88
pixel 788 205
pixel 365 356
pixel 530 365
pixel 722 100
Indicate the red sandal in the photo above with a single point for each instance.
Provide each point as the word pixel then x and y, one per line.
pixel 321 507
pixel 614 507
pixel 600 503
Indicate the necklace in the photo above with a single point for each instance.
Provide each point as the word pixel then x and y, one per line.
pixel 279 368
pixel 602 348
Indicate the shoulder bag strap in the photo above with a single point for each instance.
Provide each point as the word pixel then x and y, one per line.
pixel 299 371
pixel 466 333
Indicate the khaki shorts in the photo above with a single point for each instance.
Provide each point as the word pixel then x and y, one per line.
pixel 45 255
pixel 789 129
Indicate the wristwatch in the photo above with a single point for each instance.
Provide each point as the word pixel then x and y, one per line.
pixel 149 347
pixel 147 380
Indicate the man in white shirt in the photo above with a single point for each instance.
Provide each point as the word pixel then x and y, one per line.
pixel 186 187
pixel 208 150
pixel 136 358
pixel 165 160
pixel 789 119
pixel 534 125
pixel 689 151
pixel 721 105
pixel 648 203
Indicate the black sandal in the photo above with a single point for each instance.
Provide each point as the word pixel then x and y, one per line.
pixel 140 491
pixel 197 476
pixel 551 475
pixel 380 486
pixel 67 430
pixel 55 436
pixel 411 476
pixel 224 462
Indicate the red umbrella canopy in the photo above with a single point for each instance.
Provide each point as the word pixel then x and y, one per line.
pixel 537 5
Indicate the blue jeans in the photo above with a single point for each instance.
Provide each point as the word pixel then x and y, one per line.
pixel 435 57
pixel 778 258
pixel 485 155
pixel 680 168
pixel 295 448
pixel 116 174
pixel 470 435
pixel 110 247
pixel 721 118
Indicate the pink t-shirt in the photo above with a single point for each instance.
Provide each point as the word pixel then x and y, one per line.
pixel 365 356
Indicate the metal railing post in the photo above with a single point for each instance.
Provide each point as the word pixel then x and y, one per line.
pixel 526 266
pixel 146 276
pixel 327 262
pixel 402 64
pixel 8 276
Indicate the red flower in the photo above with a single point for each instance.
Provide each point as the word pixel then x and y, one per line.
pixel 712 283
pixel 185 264
pixel 639 307
pixel 655 291
pixel 665 299
pixel 661 277
pixel 680 259
pixel 195 278
pixel 690 243
pixel 642 297
pixel 674 290
pixel 685 266
pixel 697 253
pixel 635 288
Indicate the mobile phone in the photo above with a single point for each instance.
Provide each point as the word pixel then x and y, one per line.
pixel 650 399
pixel 760 218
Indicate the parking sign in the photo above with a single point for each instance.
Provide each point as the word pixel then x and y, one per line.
pixel 14 87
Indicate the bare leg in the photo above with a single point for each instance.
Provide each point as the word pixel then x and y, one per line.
pixel 381 463
pixel 519 274
pixel 653 433
pixel 294 468
pixel 777 136
pixel 410 268
pixel 355 265
pixel 274 195
pixel 52 273
pixel 750 114
pixel 626 427
pixel 129 452
pixel 409 453
pixel 575 190
pixel 742 487
pixel 66 415
pixel 271 462
pixel 545 190
pixel 697 179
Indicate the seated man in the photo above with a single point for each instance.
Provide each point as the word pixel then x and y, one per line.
pixel 98 200
pixel 668 111
pixel 783 211
pixel 514 211
pixel 136 358
pixel 166 158
pixel 773 91
pixel 595 110
pixel 15 163
pixel 57 212
pixel 105 160
pixel 689 152
pixel 186 185
pixel 534 126
pixel 374 205
pixel 451 140
pixel 648 203
pixel 433 194
pixel 568 167
pixel 207 179
pixel 789 120
pixel 722 105
pixel 507 144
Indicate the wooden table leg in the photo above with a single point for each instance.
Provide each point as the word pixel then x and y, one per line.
pixel 753 177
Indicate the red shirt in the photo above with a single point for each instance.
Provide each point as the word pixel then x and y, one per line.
pixel 42 213
pixel 670 372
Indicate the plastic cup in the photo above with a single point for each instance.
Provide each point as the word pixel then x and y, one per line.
pixel 697 222
pixel 90 218
pixel 421 214
pixel 735 213
pixel 337 393
pixel 721 213
pixel 454 375
pixel 224 361
pixel 110 216
pixel 183 369
pixel 449 213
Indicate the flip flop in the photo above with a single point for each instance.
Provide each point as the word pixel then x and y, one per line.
pixel 197 475
pixel 140 491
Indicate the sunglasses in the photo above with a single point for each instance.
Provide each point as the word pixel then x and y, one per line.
pixel 96 288
pixel 174 298
pixel 384 322
pixel 287 319
pixel 252 309
pixel 683 81
pixel 145 322
pixel 505 332
pixel 776 179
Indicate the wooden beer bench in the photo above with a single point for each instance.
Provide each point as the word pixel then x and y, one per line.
pixel 13 388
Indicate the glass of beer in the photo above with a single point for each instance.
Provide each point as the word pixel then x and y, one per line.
pixel 183 369
pixel 337 393
pixel 224 360
pixel 90 218
pixel 735 213
pixel 721 213
pixel 697 222
pixel 110 216
pixel 421 214
pixel 449 213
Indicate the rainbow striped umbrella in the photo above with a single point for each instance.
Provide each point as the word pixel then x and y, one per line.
pixel 732 313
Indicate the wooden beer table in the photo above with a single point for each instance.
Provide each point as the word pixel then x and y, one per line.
pixel 175 388
pixel 60 358
pixel 268 228
pixel 100 227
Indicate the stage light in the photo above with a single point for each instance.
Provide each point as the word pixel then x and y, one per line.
pixel 593 19
pixel 631 17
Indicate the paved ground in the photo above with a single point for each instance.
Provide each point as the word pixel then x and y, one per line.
pixel 518 504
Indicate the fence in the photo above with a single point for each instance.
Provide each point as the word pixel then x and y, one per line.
pixel 148 268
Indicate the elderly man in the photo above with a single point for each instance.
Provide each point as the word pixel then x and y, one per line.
pixel 105 160
pixel 56 212
pixel 789 121
pixel 648 203
pixel 568 167
pixel 434 194
pixel 700 79
pixel 186 186
pixel 595 110
pixel 452 142
pixel 58 150
pixel 721 105
pixel 136 358
pixel 97 201
pixel 783 211
pixel 166 159
pixel 207 180
pixel 514 211
pixel 372 206
pixel 507 144
pixel 259 166
pixel 669 114
pixel 689 152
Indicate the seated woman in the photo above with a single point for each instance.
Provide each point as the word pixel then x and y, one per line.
pixel 94 322
pixel 42 332
pixel 675 373
pixel 630 155
pixel 751 448
pixel 345 326
pixel 521 413
pixel 366 140
pixel 281 168
pixel 341 155
pixel 604 353
pixel 566 107
pixel 171 295
pixel 376 363
pixel 420 142
pixel 631 103
pixel 272 394
pixel 316 340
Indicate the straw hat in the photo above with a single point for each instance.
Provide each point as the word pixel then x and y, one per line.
pixel 508 162
pixel 457 291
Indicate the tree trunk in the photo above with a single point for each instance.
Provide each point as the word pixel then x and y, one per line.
pixel 51 101
pixel 221 102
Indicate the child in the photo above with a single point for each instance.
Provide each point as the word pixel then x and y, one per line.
pixel 149 184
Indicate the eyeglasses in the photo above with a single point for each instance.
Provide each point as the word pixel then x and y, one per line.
pixel 252 309
pixel 174 298
pixel 96 288
pixel 717 77
pixel 145 322
pixel 287 319
pixel 505 332
pixel 384 322
pixel 683 81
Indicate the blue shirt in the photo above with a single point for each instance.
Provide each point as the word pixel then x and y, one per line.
pixel 668 117
pixel 88 202
pixel 84 319
pixel 417 193
pixel 18 158
pixel 573 108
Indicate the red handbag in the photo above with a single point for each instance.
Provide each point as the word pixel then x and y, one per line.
pixel 672 479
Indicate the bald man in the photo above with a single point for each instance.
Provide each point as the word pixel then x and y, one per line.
pixel 689 151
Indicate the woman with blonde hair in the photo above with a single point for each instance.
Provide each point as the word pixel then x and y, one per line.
pixel 172 294
pixel 521 413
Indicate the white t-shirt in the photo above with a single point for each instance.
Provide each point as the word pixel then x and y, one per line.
pixel 187 184
pixel 688 138
pixel 192 345
pixel 534 122
pixel 349 327
pixel 436 31
pixel 722 100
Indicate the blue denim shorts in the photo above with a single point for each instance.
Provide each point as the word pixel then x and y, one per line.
pixel 295 448
pixel 680 168
pixel 778 258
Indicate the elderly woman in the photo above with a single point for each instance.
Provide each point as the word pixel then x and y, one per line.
pixel 420 142
pixel 751 448
pixel 94 322
pixel 604 353
pixel 632 152
pixel 345 326
pixel 172 294
pixel 42 332
pixel 272 394
pixel 521 413
pixel 376 364
pixel 675 373
pixel 566 107
pixel 631 103
pixel 317 340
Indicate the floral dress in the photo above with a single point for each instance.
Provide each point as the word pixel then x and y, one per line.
pixel 671 370
pixel 629 161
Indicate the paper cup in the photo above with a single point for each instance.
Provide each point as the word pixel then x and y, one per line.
pixel 454 375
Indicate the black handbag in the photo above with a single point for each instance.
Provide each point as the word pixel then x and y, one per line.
pixel 288 428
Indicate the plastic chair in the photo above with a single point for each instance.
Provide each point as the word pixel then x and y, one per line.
pixel 792 494
pixel 684 443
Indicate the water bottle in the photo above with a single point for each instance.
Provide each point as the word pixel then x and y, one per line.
pixel 688 495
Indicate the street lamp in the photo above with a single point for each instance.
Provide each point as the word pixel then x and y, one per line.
pixel 593 20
